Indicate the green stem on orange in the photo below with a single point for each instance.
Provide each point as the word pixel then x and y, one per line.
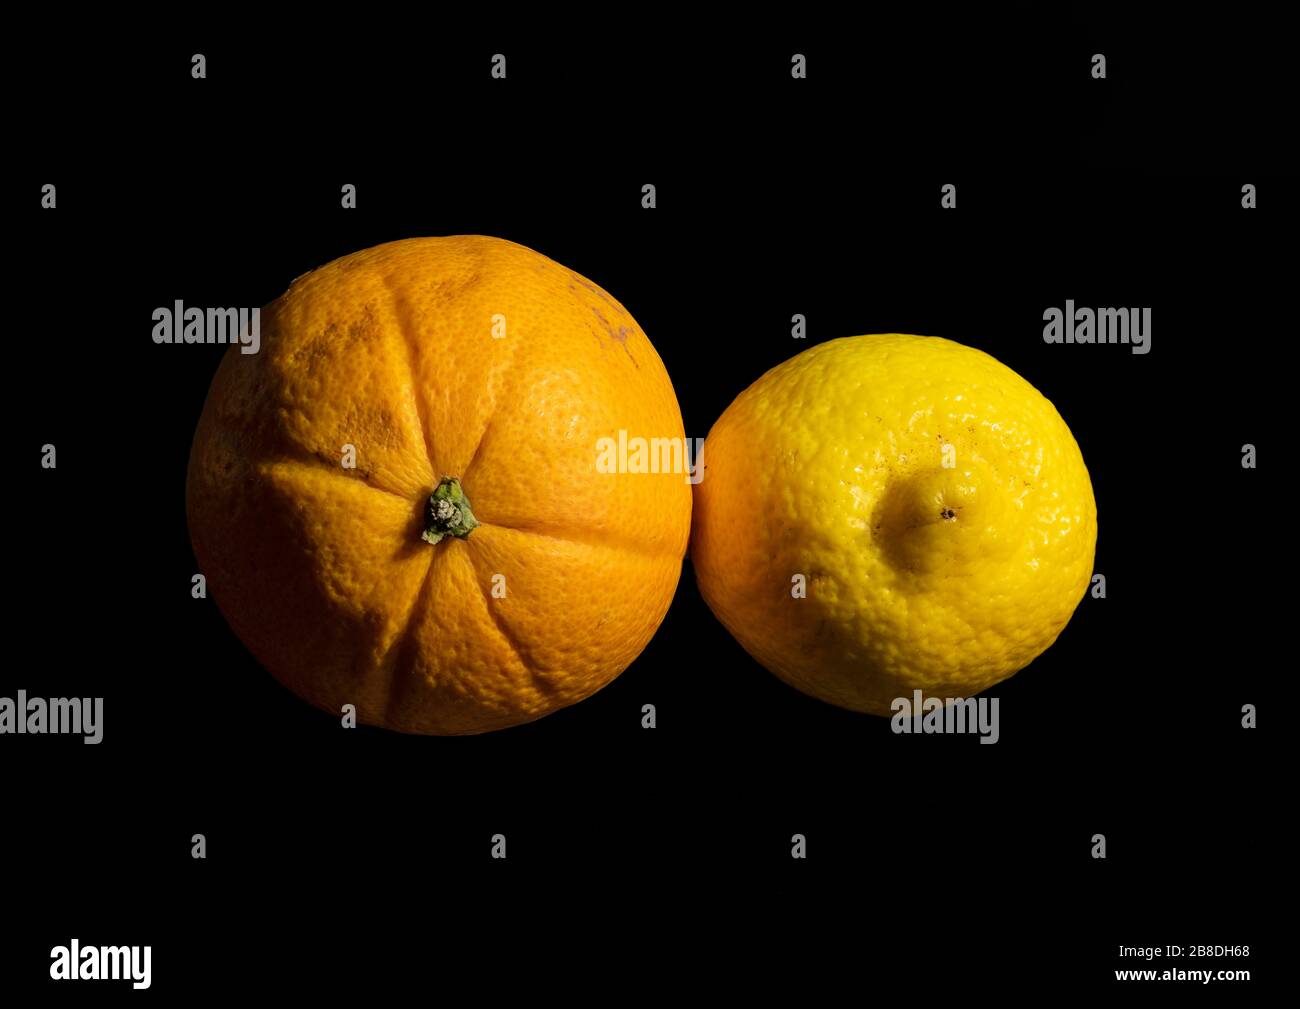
pixel 448 512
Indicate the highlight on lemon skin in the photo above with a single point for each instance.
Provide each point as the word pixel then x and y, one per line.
pixel 932 504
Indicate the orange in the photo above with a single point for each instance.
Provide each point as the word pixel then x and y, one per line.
pixel 397 503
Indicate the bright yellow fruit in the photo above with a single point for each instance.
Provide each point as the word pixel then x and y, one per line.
pixel 933 501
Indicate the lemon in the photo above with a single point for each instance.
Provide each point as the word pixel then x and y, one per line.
pixel 890 513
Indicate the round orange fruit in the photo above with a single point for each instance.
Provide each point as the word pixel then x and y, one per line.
pixel 399 503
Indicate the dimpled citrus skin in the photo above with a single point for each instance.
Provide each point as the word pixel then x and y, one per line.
pixel 321 570
pixel 918 576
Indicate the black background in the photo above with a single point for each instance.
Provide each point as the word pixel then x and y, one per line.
pixel 361 859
